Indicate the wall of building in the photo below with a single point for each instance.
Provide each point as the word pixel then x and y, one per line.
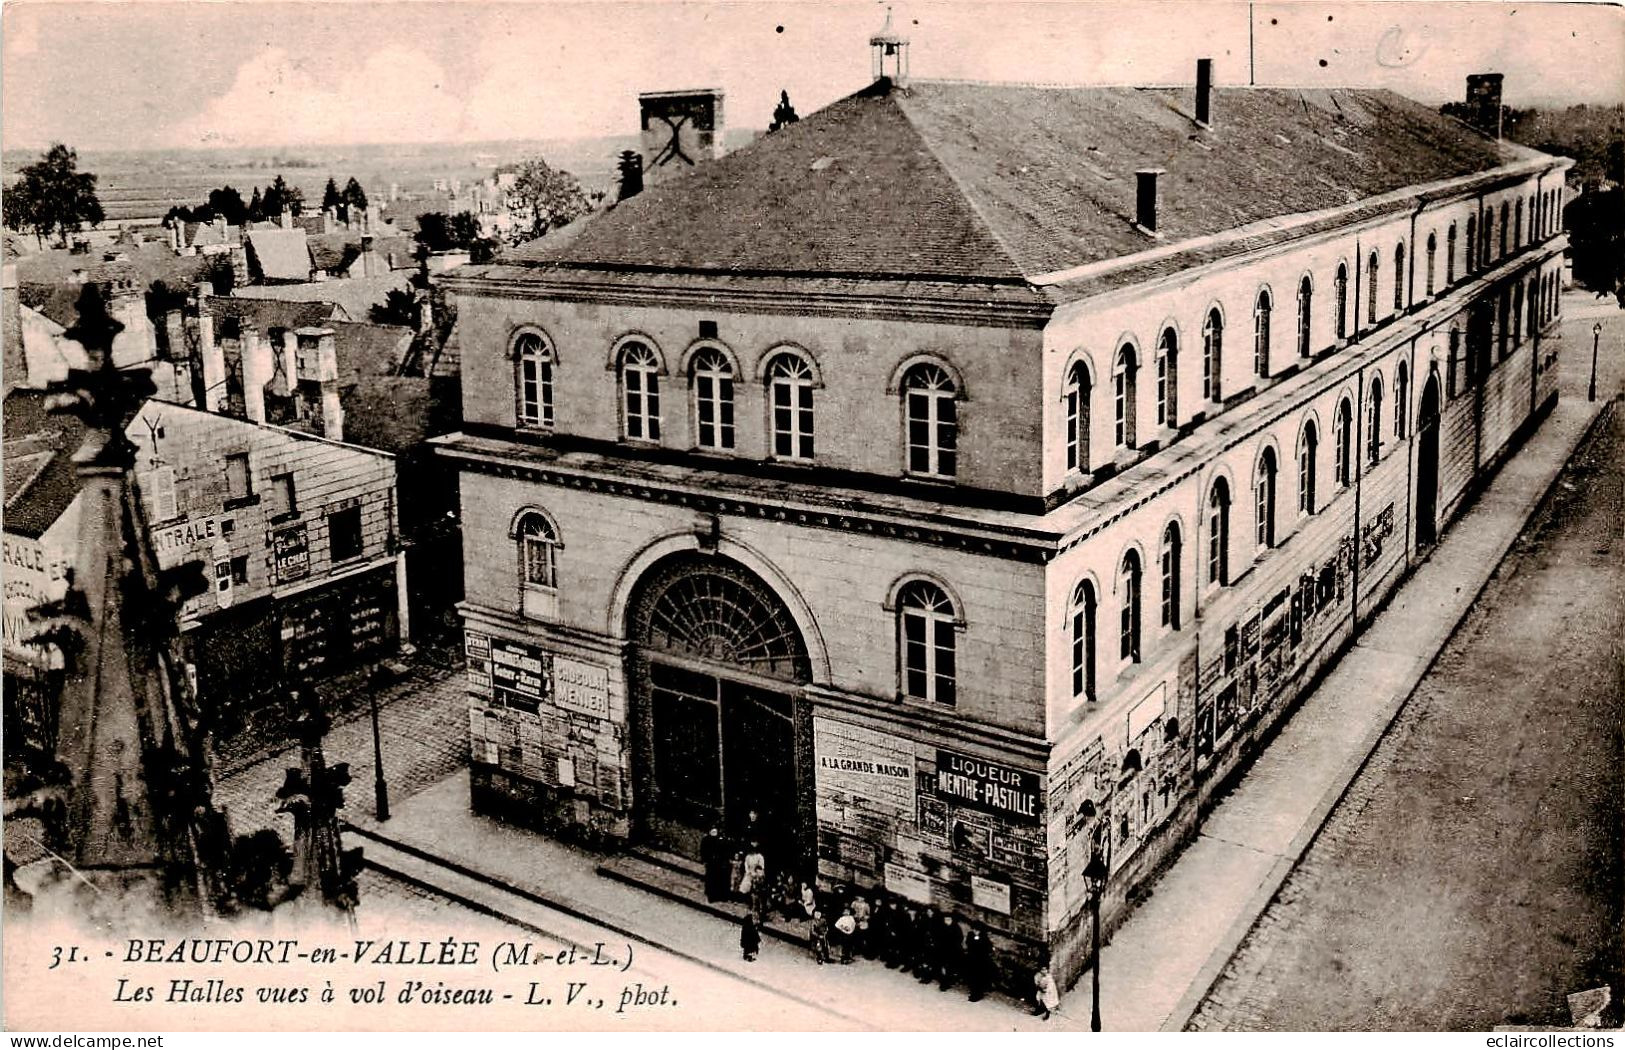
pixel 859 423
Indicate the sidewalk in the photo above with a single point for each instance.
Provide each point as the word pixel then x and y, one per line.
pixel 1161 963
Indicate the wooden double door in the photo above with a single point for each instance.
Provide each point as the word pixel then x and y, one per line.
pixel 722 748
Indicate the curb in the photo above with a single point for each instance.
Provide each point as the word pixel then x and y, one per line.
pixel 1270 888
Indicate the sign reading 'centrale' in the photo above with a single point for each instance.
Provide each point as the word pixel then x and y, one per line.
pixel 988 786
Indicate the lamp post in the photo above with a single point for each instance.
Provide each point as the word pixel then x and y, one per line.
pixel 380 789
pixel 1095 875
pixel 1596 335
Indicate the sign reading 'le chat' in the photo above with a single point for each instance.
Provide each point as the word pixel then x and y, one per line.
pixel 988 786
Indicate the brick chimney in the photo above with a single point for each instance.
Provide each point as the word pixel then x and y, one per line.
pixel 258 367
pixel 1484 102
pixel 211 359
pixel 287 219
pixel 318 365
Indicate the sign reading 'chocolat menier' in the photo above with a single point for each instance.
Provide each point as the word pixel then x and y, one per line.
pixel 988 786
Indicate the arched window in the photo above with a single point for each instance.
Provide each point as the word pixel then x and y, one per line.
pixel 713 400
pixel 1128 589
pixel 1504 215
pixel 538 566
pixel 1212 354
pixel 1082 621
pixel 533 364
pixel 1124 389
pixel 1450 365
pixel 1261 333
pixel 1433 254
pixel 1486 237
pixel 1343 443
pixel 1372 269
pixel 790 385
pixel 1306 303
pixel 1172 552
pixel 932 421
pixel 1168 379
pixel 1517 315
pixel 1402 404
pixel 1308 453
pixel 1264 500
pixel 640 387
pixel 925 633
pixel 1218 533
pixel 1399 278
pixel 1340 291
pixel 1373 434
pixel 1471 245
pixel 1517 226
pixel 1450 257
pixel 1077 418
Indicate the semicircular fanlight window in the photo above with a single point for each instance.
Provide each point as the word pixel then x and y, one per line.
pixel 721 614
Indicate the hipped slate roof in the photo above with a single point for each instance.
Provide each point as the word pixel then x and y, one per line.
pixel 281 255
pixel 40 477
pixel 1002 183
pixel 266 314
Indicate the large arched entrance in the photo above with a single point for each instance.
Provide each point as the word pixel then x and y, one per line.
pixel 720 727
pixel 1427 465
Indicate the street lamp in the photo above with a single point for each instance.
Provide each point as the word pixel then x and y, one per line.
pixel 380 789
pixel 1095 875
pixel 1596 334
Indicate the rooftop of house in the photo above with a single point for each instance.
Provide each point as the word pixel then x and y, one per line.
pixel 994 184
pixel 40 477
pixel 266 314
pixel 355 296
pixel 280 255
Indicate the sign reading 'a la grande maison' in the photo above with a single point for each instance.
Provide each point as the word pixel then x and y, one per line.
pixel 988 786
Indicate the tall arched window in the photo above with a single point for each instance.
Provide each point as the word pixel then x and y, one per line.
pixel 1340 291
pixel 1517 226
pixel 1486 237
pixel 1450 363
pixel 1082 624
pixel 533 365
pixel 1212 354
pixel 1308 452
pixel 538 566
pixel 1128 590
pixel 1517 315
pixel 1399 278
pixel 1124 394
pixel 713 400
pixel 1218 533
pixel 1372 269
pixel 1402 392
pixel 640 387
pixel 925 633
pixel 1264 500
pixel 1504 216
pixel 1172 552
pixel 1306 305
pixel 1261 333
pixel 1168 379
pixel 1373 434
pixel 932 421
pixel 1471 245
pixel 790 384
pixel 1343 443
pixel 1433 255
pixel 1077 418
pixel 1450 257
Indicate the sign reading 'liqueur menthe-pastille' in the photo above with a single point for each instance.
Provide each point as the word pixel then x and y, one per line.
pixel 988 786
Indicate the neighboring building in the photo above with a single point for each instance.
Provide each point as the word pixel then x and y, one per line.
pixel 278 256
pixel 355 296
pixel 967 477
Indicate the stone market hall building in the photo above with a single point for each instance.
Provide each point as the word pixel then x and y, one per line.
pixel 967 477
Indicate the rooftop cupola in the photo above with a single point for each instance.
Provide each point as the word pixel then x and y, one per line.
pixel 890 50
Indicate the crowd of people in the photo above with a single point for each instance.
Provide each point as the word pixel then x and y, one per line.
pixel 847 925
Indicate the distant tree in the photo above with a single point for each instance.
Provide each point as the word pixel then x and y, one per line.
pixel 331 198
pixel 227 203
pixel 280 197
pixel 1596 225
pixel 465 229
pixel 56 197
pixel 784 114
pixel 399 307
pixel 354 196
pixel 22 212
pixel 434 232
pixel 256 207
pixel 553 196
pixel 439 232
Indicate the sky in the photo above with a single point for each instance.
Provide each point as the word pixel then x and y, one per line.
pixel 153 74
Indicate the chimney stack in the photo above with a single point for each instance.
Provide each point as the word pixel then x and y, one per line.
pixel 287 218
pixel 1145 199
pixel 1204 92
pixel 1484 102
pixel 318 354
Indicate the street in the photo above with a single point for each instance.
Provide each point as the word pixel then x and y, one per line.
pixel 1472 874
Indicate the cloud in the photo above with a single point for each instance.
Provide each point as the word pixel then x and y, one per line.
pixel 396 95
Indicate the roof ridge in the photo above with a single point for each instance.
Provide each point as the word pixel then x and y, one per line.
pixel 965 195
